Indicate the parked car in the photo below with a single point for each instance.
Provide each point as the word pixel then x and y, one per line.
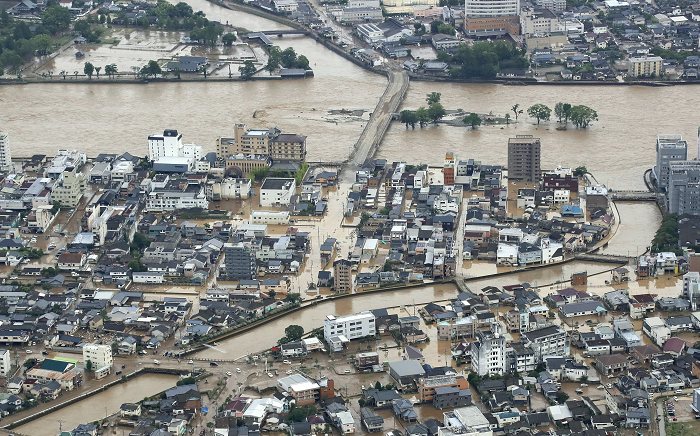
pixel 238 370
pixel 29 351
pixel 118 372
pixel 229 373
pixel 213 364
pixel 157 362
pixel 287 362
pixel 45 353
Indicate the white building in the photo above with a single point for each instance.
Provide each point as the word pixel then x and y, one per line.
pixel 489 351
pixel 5 362
pixel 70 189
pixel 166 199
pixel 465 421
pixel 491 8
pixel 655 328
pixel 277 191
pixel 228 188
pixel 355 326
pixel 269 217
pixel 99 355
pixel 537 21
pixel 154 278
pixel 5 155
pixel 169 144
pixel 547 341
pixel 369 32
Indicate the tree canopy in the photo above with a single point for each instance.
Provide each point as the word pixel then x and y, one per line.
pixel 485 59
pixel 472 119
pixel 247 70
pixel 540 112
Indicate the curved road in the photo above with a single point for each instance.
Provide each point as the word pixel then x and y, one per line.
pixel 378 123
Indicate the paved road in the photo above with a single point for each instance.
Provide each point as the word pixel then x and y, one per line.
pixel 381 117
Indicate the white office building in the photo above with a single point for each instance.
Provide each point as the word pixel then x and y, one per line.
pixel 99 355
pixel 351 327
pixel 489 351
pixel 169 144
pixel 277 191
pixel 5 362
pixel 491 8
pixel 166 199
pixel 5 156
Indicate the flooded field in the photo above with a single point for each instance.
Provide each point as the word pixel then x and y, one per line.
pixel 98 406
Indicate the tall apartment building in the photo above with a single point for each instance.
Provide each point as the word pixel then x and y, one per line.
pixel 537 21
pixel 683 189
pixel 524 158
pixel 70 189
pixel 5 362
pixel 99 355
pixel 492 17
pixel 239 262
pixel 547 341
pixel 355 326
pixel 646 66
pixel 342 275
pixel 489 351
pixel 669 148
pixel 272 142
pixel 169 144
pixel 5 155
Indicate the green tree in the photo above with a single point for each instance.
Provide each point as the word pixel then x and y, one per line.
pixel 433 97
pixel 88 69
pixel 447 29
pixel 559 111
pixel 56 18
pixel 473 119
pixel 436 112
pixel 517 111
pixel 228 39
pixel 302 62
pixel 273 63
pixel 88 365
pixel 11 60
pixel 580 171
pixel 540 112
pixel 443 56
pixel 247 70
pixel 423 116
pixel 140 241
pixel 288 57
pixel 97 71
pixel 567 112
pixel 408 117
pixel 507 117
pixel 294 332
pixel 42 43
pixel 111 70
pixel 435 26
pixel 582 116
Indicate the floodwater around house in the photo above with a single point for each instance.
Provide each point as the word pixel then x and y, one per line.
pixel 97 406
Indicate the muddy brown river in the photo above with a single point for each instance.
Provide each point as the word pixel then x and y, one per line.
pixel 42 118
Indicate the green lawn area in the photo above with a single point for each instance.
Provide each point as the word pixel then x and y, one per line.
pixel 689 428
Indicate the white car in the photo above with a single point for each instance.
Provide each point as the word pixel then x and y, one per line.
pixel 269 374
pixel 229 373
pixel 29 351
pixel 609 386
pixel 289 371
pixel 238 370
pixel 347 371
pixel 675 398
pixel 601 387
pixel 190 361
pixel 679 391
pixel 287 362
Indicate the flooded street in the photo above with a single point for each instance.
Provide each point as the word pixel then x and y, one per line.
pixel 97 406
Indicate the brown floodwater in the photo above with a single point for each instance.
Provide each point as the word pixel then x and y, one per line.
pixel 97 406
pixel 96 118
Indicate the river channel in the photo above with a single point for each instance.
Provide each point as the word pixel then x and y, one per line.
pixel 43 118
pixel 97 406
